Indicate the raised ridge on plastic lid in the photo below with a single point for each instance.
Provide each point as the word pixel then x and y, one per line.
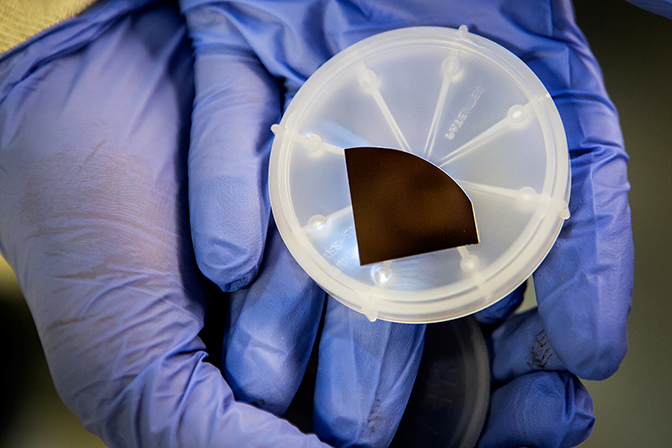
pixel 465 105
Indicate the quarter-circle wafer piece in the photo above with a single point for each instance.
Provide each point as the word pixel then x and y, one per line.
pixel 404 205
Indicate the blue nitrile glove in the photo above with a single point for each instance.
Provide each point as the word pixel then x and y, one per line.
pixel 94 132
pixel 95 119
pixel 95 239
pixel 584 287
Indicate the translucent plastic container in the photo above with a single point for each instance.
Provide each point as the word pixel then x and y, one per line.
pixel 449 401
pixel 459 101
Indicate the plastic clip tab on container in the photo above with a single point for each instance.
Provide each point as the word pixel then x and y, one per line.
pixel 462 103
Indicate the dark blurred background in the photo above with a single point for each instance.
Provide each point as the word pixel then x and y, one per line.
pixel 633 408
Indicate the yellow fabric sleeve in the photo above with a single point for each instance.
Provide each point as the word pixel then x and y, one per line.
pixel 21 19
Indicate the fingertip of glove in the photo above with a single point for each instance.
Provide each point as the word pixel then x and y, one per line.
pixel 241 282
pixel 583 418
pixel 591 353
pixel 231 267
pixel 598 367
pixel 540 409
pixel 274 398
pixel 576 408
pixel 502 309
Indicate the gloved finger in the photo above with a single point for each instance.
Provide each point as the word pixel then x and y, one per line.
pixel 541 409
pixel 661 7
pixel 273 325
pixel 501 310
pixel 94 219
pixel 584 286
pixel 520 346
pixel 366 371
pixel 236 103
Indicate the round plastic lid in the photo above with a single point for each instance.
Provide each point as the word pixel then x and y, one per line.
pixel 458 101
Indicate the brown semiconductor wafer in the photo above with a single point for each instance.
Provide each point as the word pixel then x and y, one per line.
pixel 404 205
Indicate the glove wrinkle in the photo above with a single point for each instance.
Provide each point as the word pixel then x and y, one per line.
pixel 365 375
pixel 520 346
pixel 276 323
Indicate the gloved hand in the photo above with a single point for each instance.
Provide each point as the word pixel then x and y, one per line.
pixel 584 287
pixel 93 223
pixel 94 219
